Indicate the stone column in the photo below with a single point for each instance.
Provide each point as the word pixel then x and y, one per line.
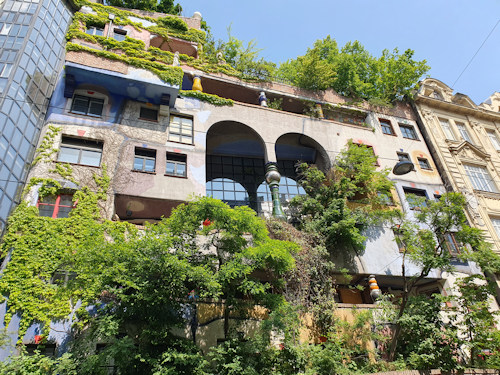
pixel 273 178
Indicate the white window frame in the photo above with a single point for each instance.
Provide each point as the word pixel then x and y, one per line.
pixel 171 156
pixel 446 126
pixel 81 145
pixel 144 157
pixel 494 139
pixel 92 30
pixel 495 222
pixel 181 129
pixel 480 178
pixel 121 32
pixel 463 131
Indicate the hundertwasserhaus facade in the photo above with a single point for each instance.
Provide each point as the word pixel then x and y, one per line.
pixel 171 128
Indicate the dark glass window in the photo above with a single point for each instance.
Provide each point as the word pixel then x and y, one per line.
pixel 148 114
pixel 386 127
pixel 119 34
pixel 408 131
pixel 85 105
pixel 144 160
pixel 176 165
pixel 402 156
pixel 424 163
pixel 95 31
pixel 80 151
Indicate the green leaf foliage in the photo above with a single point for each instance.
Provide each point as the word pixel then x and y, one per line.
pixel 353 72
pixel 163 6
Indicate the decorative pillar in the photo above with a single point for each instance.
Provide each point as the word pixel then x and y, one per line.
pixel 262 99
pixel 375 291
pixel 197 83
pixel 273 178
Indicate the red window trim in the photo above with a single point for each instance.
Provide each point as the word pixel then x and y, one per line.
pixel 56 205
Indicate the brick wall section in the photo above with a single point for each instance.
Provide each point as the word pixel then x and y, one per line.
pixel 439 372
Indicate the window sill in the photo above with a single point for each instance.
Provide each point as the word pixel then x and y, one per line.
pixel 148 120
pixel 145 172
pixel 176 176
pixel 412 139
pixel 392 135
pixel 77 164
pixel 181 143
pixel 85 115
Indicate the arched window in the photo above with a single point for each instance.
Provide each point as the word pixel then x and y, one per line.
pixel 288 189
pixel 229 191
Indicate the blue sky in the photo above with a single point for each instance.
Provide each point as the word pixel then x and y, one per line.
pixel 446 33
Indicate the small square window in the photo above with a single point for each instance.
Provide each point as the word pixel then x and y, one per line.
pixel 424 163
pixel 403 156
pixel 86 105
pixel 95 31
pixel 80 151
pixel 119 34
pixel 176 165
pixel 144 160
pixel 55 206
pixel 386 127
pixel 148 114
pixel 408 131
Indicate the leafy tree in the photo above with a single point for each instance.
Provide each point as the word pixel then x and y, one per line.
pixel 426 342
pixel 477 322
pixel 164 6
pixel 342 203
pixel 353 72
pixel 424 243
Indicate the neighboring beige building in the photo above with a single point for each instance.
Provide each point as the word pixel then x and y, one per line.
pixel 464 139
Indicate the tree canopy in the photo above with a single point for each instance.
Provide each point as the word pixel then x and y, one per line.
pixel 353 72
pixel 163 6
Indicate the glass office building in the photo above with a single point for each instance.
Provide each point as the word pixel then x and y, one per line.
pixel 32 39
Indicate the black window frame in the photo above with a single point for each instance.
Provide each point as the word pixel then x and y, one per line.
pixel 403 156
pixel 386 125
pixel 89 100
pixel 409 191
pixel 176 159
pixel 424 164
pixel 145 112
pixel 408 128
pixel 82 145
pixel 123 33
pixel 144 154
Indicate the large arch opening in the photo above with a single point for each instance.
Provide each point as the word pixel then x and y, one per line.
pixel 235 164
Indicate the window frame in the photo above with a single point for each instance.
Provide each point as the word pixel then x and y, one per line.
pixel 483 182
pixel 386 125
pixel 411 129
pixel 56 205
pixel 94 29
pixel 418 193
pixel 89 99
pixel 144 158
pixel 446 127
pixel 145 118
pixel 495 223
pixel 427 165
pixel 176 163
pixel 494 139
pixel 121 32
pixel 464 133
pixel 180 133
pixel 403 156
pixel 451 244
pixel 66 144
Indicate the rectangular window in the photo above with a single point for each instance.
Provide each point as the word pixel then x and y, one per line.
pixel 496 226
pixel 416 198
pixel 180 129
pixel 480 178
pixel 402 156
pixel 144 160
pixel 148 114
pixel 176 165
pixel 386 127
pixel 451 244
pixel 494 140
pixel 463 132
pixel 445 124
pixel 424 163
pixel 119 34
pixel 55 206
pixel 80 151
pixel 408 131
pixel 95 31
pixel 86 105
